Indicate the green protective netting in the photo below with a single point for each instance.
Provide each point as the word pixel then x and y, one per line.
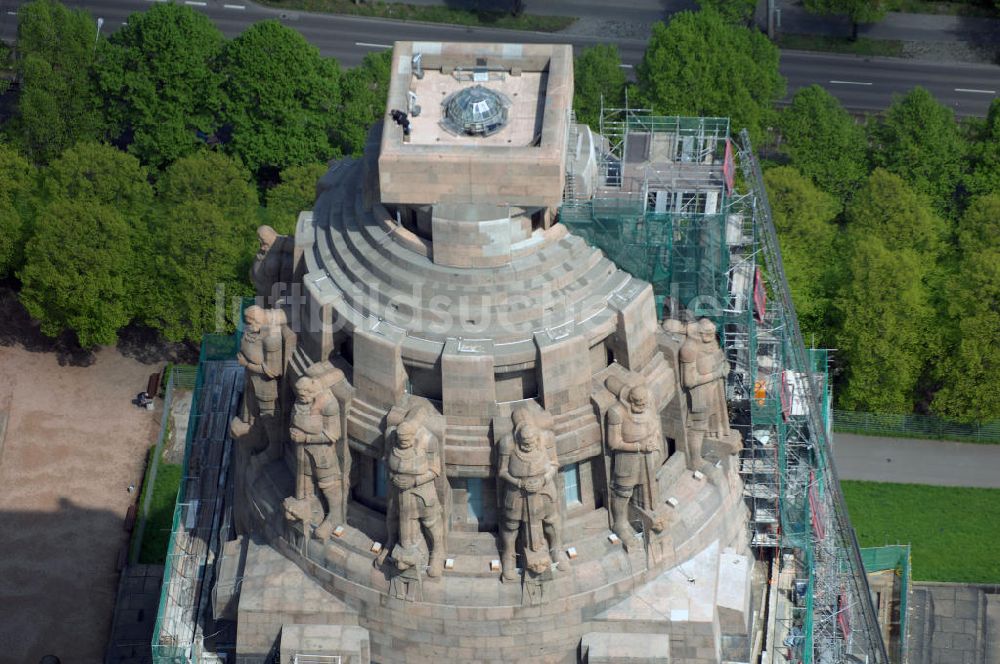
pixel 895 557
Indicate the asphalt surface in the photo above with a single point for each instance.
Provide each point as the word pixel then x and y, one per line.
pixel 861 84
pixel 908 461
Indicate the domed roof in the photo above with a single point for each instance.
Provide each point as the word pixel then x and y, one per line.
pixel 476 110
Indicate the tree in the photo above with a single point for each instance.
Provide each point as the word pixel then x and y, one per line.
pixel 296 192
pixel 984 177
pixel 919 140
pixel 17 207
pixel 283 99
pixel 76 271
pixel 159 81
pixel 598 76
pixel 199 250
pixel 824 142
pixel 734 11
pixel 99 173
pixel 58 104
pixel 804 218
pixel 887 334
pixel 888 209
pixel 968 368
pixel 701 65
pixel 210 177
pixel 201 241
pixel 859 11
pixel 365 89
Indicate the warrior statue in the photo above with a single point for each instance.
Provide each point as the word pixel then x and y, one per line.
pixel 414 464
pixel 703 372
pixel 528 467
pixel 315 427
pixel 635 440
pixel 272 261
pixel 261 354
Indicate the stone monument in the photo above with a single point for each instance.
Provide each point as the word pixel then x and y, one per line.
pixel 458 412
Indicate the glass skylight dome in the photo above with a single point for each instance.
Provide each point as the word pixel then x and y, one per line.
pixel 476 111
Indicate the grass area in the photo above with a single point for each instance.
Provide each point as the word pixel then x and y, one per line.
pixel 953 531
pixel 861 46
pixel 404 12
pixel 156 537
pixel 960 8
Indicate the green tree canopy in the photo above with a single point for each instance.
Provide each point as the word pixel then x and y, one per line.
pixel 859 11
pixel 887 335
pixel 365 89
pixel 210 177
pixel 58 104
pixel 969 366
pixel 699 64
pixel 985 173
pixel 76 271
pixel 888 209
pixel 201 240
pixel 597 74
pixel 824 142
pixel 17 207
pixel 804 218
pixel 295 193
pixel 919 140
pixel 734 11
pixel 102 174
pixel 200 255
pixel 158 77
pixel 283 98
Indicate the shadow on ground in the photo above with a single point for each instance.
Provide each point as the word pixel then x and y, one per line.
pixel 134 341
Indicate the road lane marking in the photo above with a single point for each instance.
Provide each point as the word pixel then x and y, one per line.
pixel 979 92
pixel 195 3
pixel 373 45
pixel 849 83
pixel 625 66
pixel 235 6
pixel 12 13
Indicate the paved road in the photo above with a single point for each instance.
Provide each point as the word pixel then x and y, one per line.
pixel 864 84
pixel 916 461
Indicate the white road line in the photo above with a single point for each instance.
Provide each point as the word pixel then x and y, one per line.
pixel 195 3
pixel 849 83
pixel 979 92
pixel 12 13
pixel 235 6
pixel 625 66
pixel 373 45
pixel 124 22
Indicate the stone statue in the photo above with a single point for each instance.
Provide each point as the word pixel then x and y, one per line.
pixel 414 463
pixel 272 261
pixel 315 426
pixel 261 354
pixel 635 441
pixel 528 467
pixel 703 373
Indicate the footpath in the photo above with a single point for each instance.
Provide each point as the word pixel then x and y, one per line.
pixel 911 461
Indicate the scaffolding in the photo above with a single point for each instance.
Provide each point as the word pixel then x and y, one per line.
pixel 196 530
pixel 666 207
pixel 658 199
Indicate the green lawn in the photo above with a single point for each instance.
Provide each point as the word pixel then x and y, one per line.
pixel 153 548
pixel 430 14
pixel 954 532
pixel 860 46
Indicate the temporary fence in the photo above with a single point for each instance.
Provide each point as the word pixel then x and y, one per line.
pixel 914 426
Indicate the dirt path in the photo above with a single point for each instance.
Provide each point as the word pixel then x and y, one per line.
pixel 73 445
